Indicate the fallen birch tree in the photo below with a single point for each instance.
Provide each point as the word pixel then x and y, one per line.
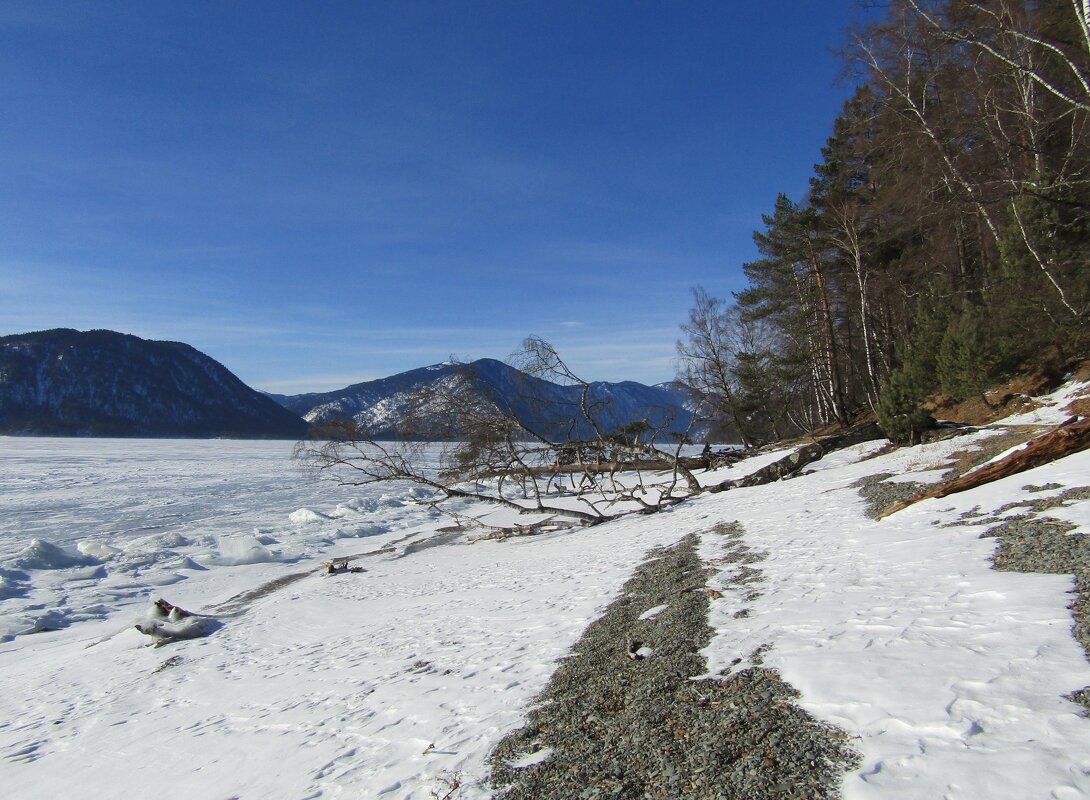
pixel 515 455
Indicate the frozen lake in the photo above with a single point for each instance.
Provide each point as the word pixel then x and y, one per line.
pixel 90 525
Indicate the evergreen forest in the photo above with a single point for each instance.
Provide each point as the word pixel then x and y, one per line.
pixel 944 242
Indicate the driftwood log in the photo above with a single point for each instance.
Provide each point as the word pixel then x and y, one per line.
pixel 165 609
pixel 167 623
pixel 338 565
pixel 1071 437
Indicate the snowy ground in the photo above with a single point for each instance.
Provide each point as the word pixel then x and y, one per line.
pixel 948 676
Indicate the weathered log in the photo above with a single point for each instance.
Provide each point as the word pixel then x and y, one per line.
pixel 1070 437
pixel 165 609
pixel 713 461
pixel 807 454
pixel 337 565
pixel 789 465
pixel 170 623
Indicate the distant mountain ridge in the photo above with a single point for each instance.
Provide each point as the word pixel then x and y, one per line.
pixel 64 382
pixel 378 405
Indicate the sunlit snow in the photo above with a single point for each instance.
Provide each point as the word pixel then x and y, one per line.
pixel 948 677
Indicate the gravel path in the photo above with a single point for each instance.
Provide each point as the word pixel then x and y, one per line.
pixel 622 717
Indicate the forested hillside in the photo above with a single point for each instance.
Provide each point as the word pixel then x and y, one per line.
pixel 944 240
pixel 64 382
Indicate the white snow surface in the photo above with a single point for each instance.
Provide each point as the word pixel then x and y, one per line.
pixel 949 677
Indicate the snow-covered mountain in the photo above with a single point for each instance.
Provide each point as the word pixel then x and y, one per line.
pixel 64 382
pixel 380 404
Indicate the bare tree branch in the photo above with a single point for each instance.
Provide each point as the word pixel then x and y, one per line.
pixel 504 445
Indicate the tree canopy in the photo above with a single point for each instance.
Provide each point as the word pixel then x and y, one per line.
pixel 945 237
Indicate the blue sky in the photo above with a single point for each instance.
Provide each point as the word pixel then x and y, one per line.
pixel 321 193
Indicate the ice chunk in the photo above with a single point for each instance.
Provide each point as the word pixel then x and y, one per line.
pixel 86 574
pixel 42 554
pixel 52 619
pixel 97 549
pixel 360 505
pixel 359 531
pixel 304 516
pixel 158 541
pixel 163 559
pixel 235 552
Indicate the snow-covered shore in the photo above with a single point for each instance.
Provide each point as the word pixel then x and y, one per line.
pixel 949 677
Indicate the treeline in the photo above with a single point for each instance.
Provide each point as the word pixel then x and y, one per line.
pixel 945 237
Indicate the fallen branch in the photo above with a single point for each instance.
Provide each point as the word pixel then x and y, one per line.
pixel 1071 437
pixel 603 467
pixel 596 468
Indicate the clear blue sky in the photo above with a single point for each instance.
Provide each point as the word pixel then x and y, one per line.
pixel 317 193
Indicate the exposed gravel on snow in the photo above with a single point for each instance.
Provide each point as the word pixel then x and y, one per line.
pixel 884 489
pixel 1029 542
pixel 881 493
pixel 612 724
